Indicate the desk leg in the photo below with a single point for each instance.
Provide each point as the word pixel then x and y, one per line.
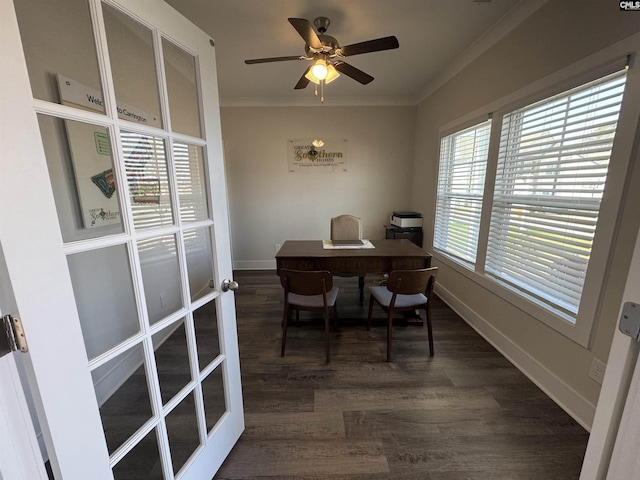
pixel 361 287
pixel 413 318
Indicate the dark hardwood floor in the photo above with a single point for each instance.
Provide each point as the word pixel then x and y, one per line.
pixel 464 414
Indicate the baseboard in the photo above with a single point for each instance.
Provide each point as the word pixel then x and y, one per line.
pixel 568 399
pixel 112 379
pixel 255 265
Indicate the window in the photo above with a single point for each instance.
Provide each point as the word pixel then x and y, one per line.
pixel 463 163
pixel 550 174
pixel 552 169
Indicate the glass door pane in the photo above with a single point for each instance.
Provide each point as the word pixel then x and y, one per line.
pixel 182 429
pixel 104 293
pixel 172 360
pixel 192 185
pixel 81 169
pixel 131 52
pixel 206 325
pixel 148 178
pixel 59 46
pixel 142 462
pixel 123 397
pixel 182 89
pixel 214 399
pixel 197 244
pixel 160 276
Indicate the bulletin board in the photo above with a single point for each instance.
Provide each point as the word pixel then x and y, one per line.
pixel 91 154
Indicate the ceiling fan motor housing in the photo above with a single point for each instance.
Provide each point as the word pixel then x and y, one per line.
pixel 329 45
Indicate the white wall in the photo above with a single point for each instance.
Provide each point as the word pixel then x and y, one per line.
pixel 270 205
pixel 555 37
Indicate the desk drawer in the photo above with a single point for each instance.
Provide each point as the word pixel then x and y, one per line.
pixel 296 264
pixel 353 265
pixel 409 263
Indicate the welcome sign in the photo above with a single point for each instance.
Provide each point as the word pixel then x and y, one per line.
pixel 303 157
pixel 78 95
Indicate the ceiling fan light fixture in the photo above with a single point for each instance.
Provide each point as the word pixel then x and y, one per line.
pixel 320 69
pixel 311 78
pixel 330 76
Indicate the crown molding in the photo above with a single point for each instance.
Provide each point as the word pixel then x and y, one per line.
pixel 514 17
pixel 312 101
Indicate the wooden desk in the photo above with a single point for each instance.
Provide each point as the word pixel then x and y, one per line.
pixel 388 255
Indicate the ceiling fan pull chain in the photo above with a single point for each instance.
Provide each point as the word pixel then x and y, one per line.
pixel 321 91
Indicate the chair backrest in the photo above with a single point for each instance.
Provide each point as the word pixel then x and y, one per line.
pixel 306 282
pixel 410 282
pixel 346 227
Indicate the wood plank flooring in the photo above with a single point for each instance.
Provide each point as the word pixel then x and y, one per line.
pixel 464 414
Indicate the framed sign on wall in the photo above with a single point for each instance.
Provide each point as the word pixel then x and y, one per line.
pixel 324 157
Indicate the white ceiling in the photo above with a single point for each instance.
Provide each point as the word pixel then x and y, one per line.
pixel 437 38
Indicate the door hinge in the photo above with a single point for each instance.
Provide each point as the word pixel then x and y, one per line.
pixel 630 320
pixel 13 338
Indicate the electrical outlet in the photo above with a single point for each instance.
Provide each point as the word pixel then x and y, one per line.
pixel 163 299
pixel 597 370
pixel 278 247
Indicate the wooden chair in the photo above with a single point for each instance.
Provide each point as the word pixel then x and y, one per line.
pixel 405 290
pixel 311 291
pixel 348 227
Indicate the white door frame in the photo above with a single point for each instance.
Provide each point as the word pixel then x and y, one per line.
pixel 20 455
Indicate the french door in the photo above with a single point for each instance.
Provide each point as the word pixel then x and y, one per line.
pixel 115 237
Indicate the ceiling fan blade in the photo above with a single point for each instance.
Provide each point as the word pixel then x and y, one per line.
pixel 303 82
pixel 353 72
pixel 306 31
pixel 273 59
pixel 386 43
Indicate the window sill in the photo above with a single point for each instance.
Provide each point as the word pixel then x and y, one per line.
pixel 577 330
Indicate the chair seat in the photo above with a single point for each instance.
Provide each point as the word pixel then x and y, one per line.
pixel 383 296
pixel 413 289
pixel 313 301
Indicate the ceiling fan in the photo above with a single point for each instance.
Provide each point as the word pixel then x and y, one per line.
pixel 326 54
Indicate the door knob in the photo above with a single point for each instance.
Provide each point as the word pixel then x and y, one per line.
pixel 229 285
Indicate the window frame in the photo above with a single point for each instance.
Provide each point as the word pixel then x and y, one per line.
pixel 476 123
pixel 579 330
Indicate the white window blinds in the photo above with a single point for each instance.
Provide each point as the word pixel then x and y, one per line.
pixel 552 168
pixel 463 163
